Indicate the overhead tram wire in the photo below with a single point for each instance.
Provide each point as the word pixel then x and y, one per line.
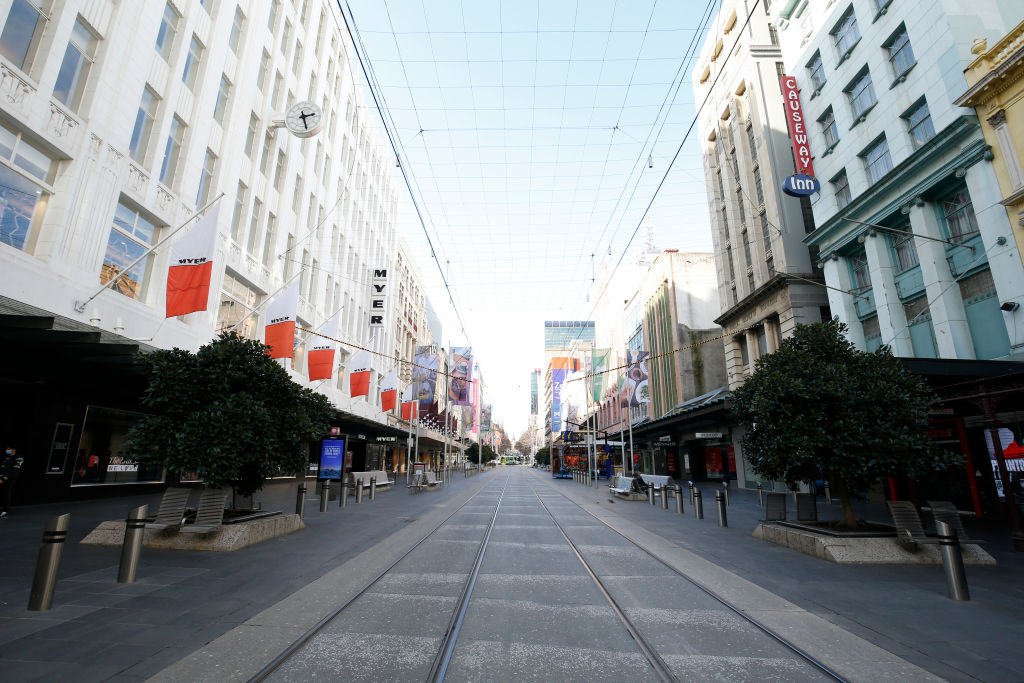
pixel 394 148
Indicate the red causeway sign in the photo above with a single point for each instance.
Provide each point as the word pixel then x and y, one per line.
pixel 797 127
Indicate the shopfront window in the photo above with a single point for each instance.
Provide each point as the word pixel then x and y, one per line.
pixel 102 458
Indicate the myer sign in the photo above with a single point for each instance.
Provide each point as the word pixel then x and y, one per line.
pixel 803 183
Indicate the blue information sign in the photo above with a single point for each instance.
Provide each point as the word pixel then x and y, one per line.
pixel 332 459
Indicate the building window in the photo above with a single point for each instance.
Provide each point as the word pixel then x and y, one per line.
pixel 22 201
pixel 773 33
pixel 275 98
pixel 237 310
pixel 846 34
pixel 861 92
pixel 206 179
pixel 741 205
pixel 901 55
pixel 829 130
pixel 297 60
pixel 765 233
pixel 275 12
pixel 172 150
pixel 746 248
pixel 192 60
pixel 286 37
pixel 268 238
pixel 752 141
pixel 960 218
pixel 816 70
pixel 279 170
pixel 861 275
pixel 268 151
pixel 237 27
pixel 143 125
pixel 22 31
pixel 168 30
pixel 841 188
pixel 261 77
pixel 74 70
pixel 223 95
pixel 906 252
pixel 250 134
pixel 252 248
pixel 919 123
pixel 238 217
pixel 721 185
pixel 732 266
pixel 130 236
pixel 877 160
pixel 758 189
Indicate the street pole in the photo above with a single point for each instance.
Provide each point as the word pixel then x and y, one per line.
pixel 629 418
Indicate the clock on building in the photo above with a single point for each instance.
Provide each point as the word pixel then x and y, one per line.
pixel 304 119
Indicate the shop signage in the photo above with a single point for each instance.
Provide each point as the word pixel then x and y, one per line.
pixel 335 431
pixel 800 185
pixel 378 285
pixel 708 435
pixel 332 452
pixel 797 126
pixel 665 438
pixel 60 447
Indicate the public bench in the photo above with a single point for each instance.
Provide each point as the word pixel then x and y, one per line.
pixel 775 507
pixel 210 514
pixel 380 475
pixel 172 510
pixel 658 481
pixel 945 511
pixel 621 484
pixel 424 480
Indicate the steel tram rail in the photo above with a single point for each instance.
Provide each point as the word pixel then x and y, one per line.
pixel 287 653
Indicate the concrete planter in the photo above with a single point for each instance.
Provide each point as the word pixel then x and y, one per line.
pixel 229 537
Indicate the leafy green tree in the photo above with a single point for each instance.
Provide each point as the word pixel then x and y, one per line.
pixel 480 454
pixel 543 456
pixel 229 413
pixel 819 408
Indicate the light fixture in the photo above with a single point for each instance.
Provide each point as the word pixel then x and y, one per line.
pixel 1009 306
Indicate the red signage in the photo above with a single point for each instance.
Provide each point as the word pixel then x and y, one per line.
pixel 797 126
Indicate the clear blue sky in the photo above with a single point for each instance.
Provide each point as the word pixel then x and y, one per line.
pixel 526 128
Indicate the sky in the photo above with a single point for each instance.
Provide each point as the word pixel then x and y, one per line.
pixel 538 138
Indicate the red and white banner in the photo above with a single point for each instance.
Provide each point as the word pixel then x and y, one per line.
pixel 409 405
pixel 389 390
pixel 359 376
pixel 797 126
pixel 280 331
pixel 320 359
pixel 191 265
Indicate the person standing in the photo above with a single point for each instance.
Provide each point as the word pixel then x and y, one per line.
pixel 10 468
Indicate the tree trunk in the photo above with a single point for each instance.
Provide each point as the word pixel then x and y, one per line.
pixel 844 497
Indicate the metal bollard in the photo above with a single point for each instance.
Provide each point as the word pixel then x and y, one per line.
pixel 664 497
pixel 679 499
pixel 828 494
pixel 343 495
pixel 325 495
pixel 725 491
pixel 300 500
pixel 723 520
pixel 760 495
pixel 693 499
pixel 373 487
pixel 54 534
pixel 359 491
pixel 650 494
pixel 952 562
pixel 133 528
pixel 698 504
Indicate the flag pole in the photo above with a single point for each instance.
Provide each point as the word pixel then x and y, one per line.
pixel 266 301
pixel 80 305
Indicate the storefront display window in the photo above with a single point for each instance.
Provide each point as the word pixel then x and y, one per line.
pixel 101 455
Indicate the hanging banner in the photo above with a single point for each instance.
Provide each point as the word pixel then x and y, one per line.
pixel 441 388
pixel 475 427
pixel 637 378
pixel 409 405
pixel 389 390
pixel 599 363
pixel 461 374
pixel 797 126
pixel 378 287
pixel 359 375
pixel 424 375
pixel 485 418
pixel 320 358
pixel 191 266
pixel 280 330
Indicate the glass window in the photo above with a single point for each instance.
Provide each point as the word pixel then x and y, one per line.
pixel 22 31
pixel 101 450
pixel 901 55
pixel 268 238
pixel 275 98
pixel 960 218
pixel 817 71
pixel 238 302
pixel 752 142
pixel 254 228
pixel 877 159
pixel 261 78
pixel 223 95
pixel 829 130
pixel 861 92
pixel 919 123
pixel 143 125
pixel 746 248
pixel 732 264
pixel 19 203
pixel 846 33
pixel 758 189
pixel 268 152
pixel 841 188
pixel 906 252
pixel 237 218
pixel 279 170
pixel 74 70
pixel 297 61
pixel 765 233
pixel 250 134
pixel 741 205
pixel 168 29
pixel 237 26
pixel 861 275
pixel 192 60
pixel 286 37
pixel 206 179
pixel 207 5
pixel 275 11
pixel 172 150
pixel 130 236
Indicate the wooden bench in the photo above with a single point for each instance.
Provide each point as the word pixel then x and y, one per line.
pixel 172 510
pixel 210 514
pixel 909 530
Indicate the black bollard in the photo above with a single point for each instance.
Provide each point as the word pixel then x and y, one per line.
pixel 300 500
pixel 373 487
pixel 650 494
pixel 134 527
pixel 723 520
pixel 343 495
pixel 54 534
pixel 693 498
pixel 679 499
pixel 725 491
pixel 828 494
pixel 664 497
pixel 359 491
pixel 698 503
pixel 760 495
pixel 952 562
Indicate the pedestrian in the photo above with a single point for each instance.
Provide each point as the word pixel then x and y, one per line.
pixel 10 468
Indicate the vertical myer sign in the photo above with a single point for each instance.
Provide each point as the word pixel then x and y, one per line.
pixel 378 285
pixel 803 183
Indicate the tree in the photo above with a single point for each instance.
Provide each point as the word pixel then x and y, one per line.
pixel 228 413
pixel 480 453
pixel 543 456
pixel 522 444
pixel 819 408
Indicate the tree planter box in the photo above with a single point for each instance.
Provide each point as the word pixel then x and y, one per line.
pixel 858 548
pixel 229 537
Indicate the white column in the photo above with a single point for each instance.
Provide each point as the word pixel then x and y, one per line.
pixel 892 321
pixel 1004 259
pixel 838 276
pixel 952 335
pixel 1007 150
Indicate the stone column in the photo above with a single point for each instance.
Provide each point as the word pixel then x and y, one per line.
pixel 952 335
pixel 1007 149
pixel 892 321
pixel 839 277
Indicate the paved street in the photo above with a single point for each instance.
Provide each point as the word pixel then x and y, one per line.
pixel 534 612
